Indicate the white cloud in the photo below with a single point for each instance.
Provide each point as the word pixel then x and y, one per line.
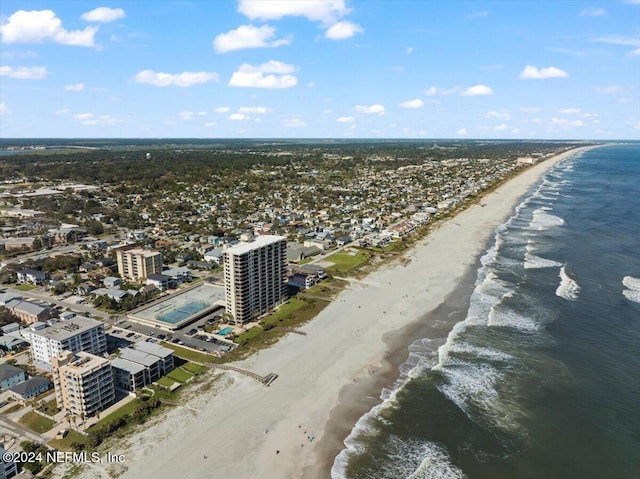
pixel 500 127
pixel 311 84
pixel 621 40
pixel 343 30
pixel 103 14
pixel 325 11
pixel 432 91
pixel 210 123
pixel 183 79
pixel 64 111
pixel 462 131
pixel 409 50
pixel 190 115
pixel 74 87
pixel 83 116
pixel 498 114
pixel 565 122
pixel 370 110
pixel 569 111
pixel 247 36
pixel 272 74
pixel 415 103
pixel 477 90
pixel 222 109
pixel 592 12
pixel 24 73
pixel 531 72
pixel 254 110
pixel 100 120
pixel 4 109
pixel 238 117
pixel 293 123
pixel 345 119
pixel 37 26
pixel 329 13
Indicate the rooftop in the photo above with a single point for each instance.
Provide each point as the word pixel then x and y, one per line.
pixel 258 242
pixel 67 329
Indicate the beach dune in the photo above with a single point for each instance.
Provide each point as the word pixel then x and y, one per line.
pixel 247 430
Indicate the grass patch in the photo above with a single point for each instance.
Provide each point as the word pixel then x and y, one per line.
pixel 284 311
pixel 188 354
pixel 65 444
pixel 49 407
pixel 165 382
pixel 25 287
pixel 345 262
pixel 179 375
pixel 118 413
pixel 194 368
pixel 13 408
pixel 36 423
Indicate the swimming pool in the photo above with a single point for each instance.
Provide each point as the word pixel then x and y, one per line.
pixel 225 331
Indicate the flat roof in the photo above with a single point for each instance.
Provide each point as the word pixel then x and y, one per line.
pixel 258 242
pixel 127 365
pixel 66 329
pixel 153 348
pixel 139 357
pixel 181 306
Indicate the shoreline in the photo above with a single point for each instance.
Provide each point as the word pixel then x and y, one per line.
pixel 292 428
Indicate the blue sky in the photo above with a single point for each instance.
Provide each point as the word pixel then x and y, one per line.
pixel 318 69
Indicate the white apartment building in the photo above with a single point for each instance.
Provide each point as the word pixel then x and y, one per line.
pixel 255 276
pixel 76 334
pixel 138 264
pixel 83 383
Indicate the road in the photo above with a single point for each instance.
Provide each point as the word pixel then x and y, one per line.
pixel 80 308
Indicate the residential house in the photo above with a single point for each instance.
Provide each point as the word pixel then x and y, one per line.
pixel 30 388
pixel 32 276
pixel 10 376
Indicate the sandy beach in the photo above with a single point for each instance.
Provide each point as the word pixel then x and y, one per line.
pixel 293 428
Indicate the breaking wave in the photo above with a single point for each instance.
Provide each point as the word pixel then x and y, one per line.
pixel 632 288
pixel 568 288
pixel 535 262
pixel 543 220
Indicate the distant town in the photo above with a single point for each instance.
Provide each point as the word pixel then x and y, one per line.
pixel 130 269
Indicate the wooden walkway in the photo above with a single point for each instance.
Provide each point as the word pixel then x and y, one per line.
pixel 266 380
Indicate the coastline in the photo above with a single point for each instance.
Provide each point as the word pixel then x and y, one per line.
pixel 334 374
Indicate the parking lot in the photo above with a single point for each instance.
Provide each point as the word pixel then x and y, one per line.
pixel 192 336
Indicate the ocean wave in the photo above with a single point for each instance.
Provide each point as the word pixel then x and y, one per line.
pixel 409 458
pixel 543 220
pixel 631 283
pixel 632 293
pixel 568 288
pixel 536 262
pixel 501 316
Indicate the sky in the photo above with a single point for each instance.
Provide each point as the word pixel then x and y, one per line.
pixel 320 69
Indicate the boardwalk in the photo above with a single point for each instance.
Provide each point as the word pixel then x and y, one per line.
pixel 266 380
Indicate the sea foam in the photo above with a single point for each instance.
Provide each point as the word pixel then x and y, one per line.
pixel 543 220
pixel 535 262
pixel 632 291
pixel 568 288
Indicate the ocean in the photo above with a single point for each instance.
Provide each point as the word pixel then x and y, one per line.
pixel 541 377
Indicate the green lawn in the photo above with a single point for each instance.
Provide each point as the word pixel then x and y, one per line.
pixel 194 368
pixel 36 422
pixel 165 381
pixel 284 311
pixel 345 262
pixel 118 413
pixel 179 375
pixel 70 438
pixel 25 287
pixel 188 354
